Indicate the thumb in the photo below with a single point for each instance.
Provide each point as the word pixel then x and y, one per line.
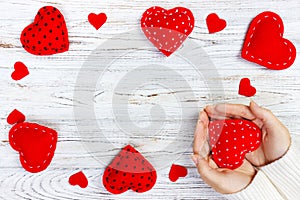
pixel 208 174
pixel 265 115
pixel 270 122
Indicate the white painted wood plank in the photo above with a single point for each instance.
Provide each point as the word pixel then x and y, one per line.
pixel 46 96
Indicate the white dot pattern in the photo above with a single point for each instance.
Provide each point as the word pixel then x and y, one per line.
pixel 167 29
pixel 231 140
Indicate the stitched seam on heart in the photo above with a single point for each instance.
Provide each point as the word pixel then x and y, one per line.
pixel 48 155
pixel 260 59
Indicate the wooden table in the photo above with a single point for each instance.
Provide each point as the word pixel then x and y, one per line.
pixel 46 96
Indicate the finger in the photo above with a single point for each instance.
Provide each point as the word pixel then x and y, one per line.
pixel 276 137
pixel 257 157
pixel 246 168
pixel 200 135
pixel 212 163
pixel 204 117
pixel 258 122
pixel 263 114
pixel 269 120
pixel 213 114
pixel 227 111
pixel 216 178
pixel 237 110
pixel 208 174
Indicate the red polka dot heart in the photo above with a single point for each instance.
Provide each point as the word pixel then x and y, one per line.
pixel 231 140
pixel 167 29
pixel 47 35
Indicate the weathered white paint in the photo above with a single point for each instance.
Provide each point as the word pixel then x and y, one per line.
pixel 45 96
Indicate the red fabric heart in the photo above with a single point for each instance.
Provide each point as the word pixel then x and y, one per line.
pixel 231 140
pixel 167 29
pixel 48 33
pixel 129 171
pixel 79 179
pixel 176 172
pixel 35 143
pixel 245 88
pixel 20 71
pixel 214 23
pixel 15 117
pixel 265 45
pixel 97 20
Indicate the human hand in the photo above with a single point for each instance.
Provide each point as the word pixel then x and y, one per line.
pixel 223 180
pixel 275 136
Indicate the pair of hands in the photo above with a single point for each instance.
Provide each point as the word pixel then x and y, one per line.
pixel 275 142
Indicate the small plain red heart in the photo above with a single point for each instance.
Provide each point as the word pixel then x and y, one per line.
pixel 15 117
pixel 264 43
pixel 36 145
pixel 176 172
pixel 20 71
pixel 214 23
pixel 97 20
pixel 78 179
pixel 246 89
pixel 167 29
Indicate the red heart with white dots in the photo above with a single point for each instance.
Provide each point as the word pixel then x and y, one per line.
pixel 231 140
pixel 167 29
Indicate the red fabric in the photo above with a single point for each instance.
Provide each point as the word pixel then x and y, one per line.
pixel 214 23
pixel 48 33
pixel 15 117
pixel 245 88
pixel 35 143
pixel 79 179
pixel 20 71
pixel 265 45
pixel 231 139
pixel 129 170
pixel 97 20
pixel 176 172
pixel 167 29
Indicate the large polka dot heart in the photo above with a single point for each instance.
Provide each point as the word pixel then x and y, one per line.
pixel 129 171
pixel 167 29
pixel 47 35
pixel 231 140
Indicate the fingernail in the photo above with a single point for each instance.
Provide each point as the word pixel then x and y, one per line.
pixel 208 107
pixel 254 104
pixel 195 159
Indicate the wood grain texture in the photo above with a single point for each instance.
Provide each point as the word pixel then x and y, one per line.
pixel 46 95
